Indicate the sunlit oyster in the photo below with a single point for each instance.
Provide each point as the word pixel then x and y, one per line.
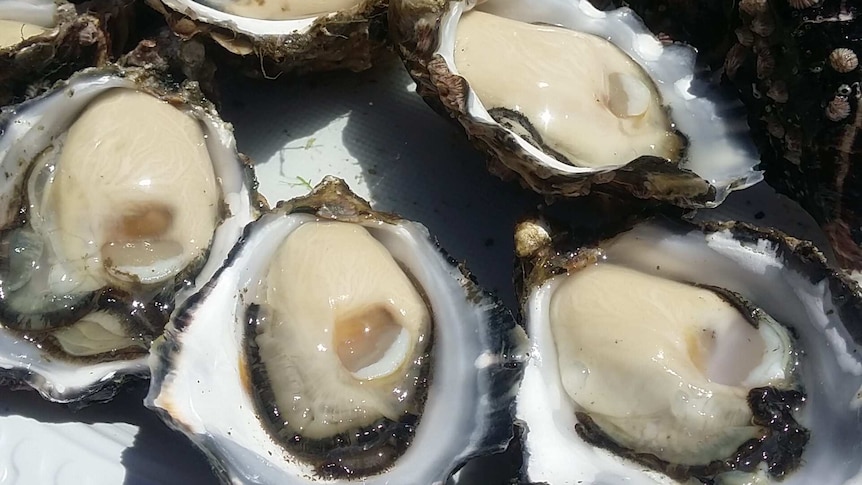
pixel 122 196
pixel 42 41
pixel 591 102
pixel 674 352
pixel 338 343
pixel 270 37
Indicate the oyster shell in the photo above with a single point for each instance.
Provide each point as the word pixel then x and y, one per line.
pixel 487 66
pixel 720 354
pixel 338 343
pixel 285 37
pixel 107 221
pixel 42 41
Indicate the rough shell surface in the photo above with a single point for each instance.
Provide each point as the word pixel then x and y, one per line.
pixel 349 40
pixel 810 141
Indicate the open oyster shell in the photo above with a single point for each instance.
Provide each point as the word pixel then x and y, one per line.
pixel 348 37
pixel 262 371
pixel 104 230
pixel 688 396
pixel 672 137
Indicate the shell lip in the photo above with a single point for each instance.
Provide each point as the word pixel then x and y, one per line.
pixel 244 25
pixel 252 27
pixel 790 279
pixel 80 379
pixel 495 366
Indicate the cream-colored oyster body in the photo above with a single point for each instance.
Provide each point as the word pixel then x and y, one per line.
pixel 14 32
pixel 340 303
pixel 602 110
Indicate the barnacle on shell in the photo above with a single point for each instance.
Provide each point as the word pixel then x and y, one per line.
pixel 753 7
pixel 800 4
pixel 843 60
pixel 778 92
pixel 838 108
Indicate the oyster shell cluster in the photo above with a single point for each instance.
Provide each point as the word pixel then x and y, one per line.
pixel 319 340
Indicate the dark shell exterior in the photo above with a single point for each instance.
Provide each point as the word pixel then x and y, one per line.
pixel 348 40
pixel 89 34
pixel 802 88
pixel 414 27
pixel 795 65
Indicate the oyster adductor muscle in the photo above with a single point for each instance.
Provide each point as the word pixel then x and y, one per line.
pixel 339 343
pixel 569 99
pixel 720 353
pixel 122 194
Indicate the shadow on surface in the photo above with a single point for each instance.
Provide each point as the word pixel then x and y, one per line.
pixel 124 408
pixel 163 456
pixel 158 455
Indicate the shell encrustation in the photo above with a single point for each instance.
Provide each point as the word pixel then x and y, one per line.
pixel 270 37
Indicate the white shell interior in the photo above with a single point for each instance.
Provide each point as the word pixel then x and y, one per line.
pixel 719 149
pixel 244 25
pixel 29 129
pixel 830 368
pixel 204 394
pixel 36 12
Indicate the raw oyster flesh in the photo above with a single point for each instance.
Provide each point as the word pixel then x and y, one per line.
pixel 264 38
pixel 338 343
pixel 108 220
pixel 570 99
pixel 673 352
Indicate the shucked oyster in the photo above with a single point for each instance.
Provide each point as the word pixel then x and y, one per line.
pixel 121 195
pixel 269 37
pixel 592 102
pixel 338 343
pixel 722 354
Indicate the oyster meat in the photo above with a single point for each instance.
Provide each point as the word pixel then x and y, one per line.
pixel 108 220
pixel 570 99
pixel 674 352
pixel 338 343
pixel 269 37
